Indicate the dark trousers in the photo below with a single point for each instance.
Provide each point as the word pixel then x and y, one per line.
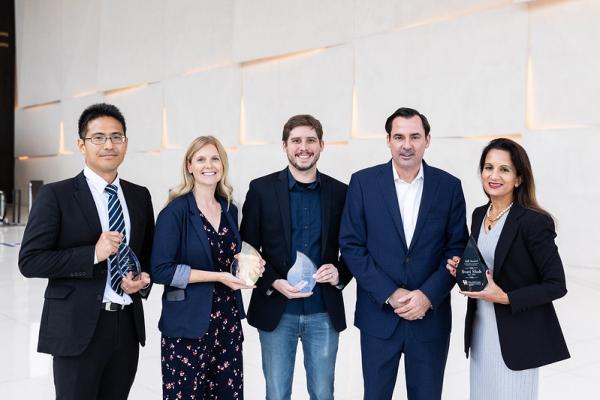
pixel 107 367
pixel 424 364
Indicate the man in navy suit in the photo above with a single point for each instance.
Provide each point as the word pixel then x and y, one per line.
pixel 401 222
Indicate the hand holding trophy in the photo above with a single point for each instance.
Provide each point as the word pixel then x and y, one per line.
pixel 247 265
pixel 302 273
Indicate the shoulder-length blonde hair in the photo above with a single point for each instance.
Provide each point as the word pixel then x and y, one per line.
pixel 224 188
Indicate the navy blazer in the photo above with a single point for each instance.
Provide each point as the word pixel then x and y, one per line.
pixel 528 268
pixel 180 239
pixel 373 245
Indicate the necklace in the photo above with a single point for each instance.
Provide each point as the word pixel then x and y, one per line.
pixel 497 217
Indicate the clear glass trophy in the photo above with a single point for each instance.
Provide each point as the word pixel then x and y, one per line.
pixel 247 264
pixel 130 264
pixel 301 275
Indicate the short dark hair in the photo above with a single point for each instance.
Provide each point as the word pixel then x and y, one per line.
pixel 405 112
pixel 96 111
pixel 302 120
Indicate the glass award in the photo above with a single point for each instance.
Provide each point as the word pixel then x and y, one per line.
pixel 470 273
pixel 301 275
pixel 247 264
pixel 129 262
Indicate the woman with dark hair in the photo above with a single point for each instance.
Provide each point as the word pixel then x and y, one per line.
pixel 511 327
pixel 195 242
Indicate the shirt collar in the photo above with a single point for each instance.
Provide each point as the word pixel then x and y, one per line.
pixel 97 182
pixel 292 183
pixel 398 179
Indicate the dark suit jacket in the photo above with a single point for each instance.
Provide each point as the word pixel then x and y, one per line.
pixel 528 268
pixel 181 239
pixel 266 225
pixel 373 244
pixel 59 244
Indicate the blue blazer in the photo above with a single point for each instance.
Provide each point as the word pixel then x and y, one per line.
pixel 373 245
pixel 180 239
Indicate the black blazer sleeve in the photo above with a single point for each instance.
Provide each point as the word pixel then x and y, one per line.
pixel 538 234
pixel 146 252
pixel 250 230
pixel 40 255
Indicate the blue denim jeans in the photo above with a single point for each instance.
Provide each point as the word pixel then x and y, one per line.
pixel 319 344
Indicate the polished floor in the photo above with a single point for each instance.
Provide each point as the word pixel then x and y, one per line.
pixel 26 374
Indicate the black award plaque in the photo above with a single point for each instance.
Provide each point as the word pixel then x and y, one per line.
pixel 470 273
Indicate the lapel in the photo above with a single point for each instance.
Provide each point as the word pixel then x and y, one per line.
pixel 233 224
pixel 478 216
pixel 326 202
pixel 197 225
pixel 282 193
pixel 509 231
pixel 85 201
pixel 430 187
pixel 134 208
pixel 388 191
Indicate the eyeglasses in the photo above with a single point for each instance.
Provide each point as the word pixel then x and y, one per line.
pixel 115 138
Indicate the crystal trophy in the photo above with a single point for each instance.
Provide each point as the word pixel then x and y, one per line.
pixel 301 275
pixel 247 264
pixel 470 272
pixel 129 262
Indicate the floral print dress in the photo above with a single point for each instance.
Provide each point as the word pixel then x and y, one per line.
pixel 209 367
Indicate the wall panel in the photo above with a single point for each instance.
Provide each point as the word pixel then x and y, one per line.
pixel 467 75
pixel 131 43
pixel 39 76
pixel 265 28
pixel 565 63
pixel 319 84
pixel 37 131
pixel 197 34
pixel 205 103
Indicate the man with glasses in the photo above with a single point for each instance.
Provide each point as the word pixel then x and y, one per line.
pixel 79 235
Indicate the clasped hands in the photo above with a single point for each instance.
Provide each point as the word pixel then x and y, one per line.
pixel 327 273
pixel 409 304
pixel 492 292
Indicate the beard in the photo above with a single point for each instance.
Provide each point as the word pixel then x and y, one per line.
pixel 306 167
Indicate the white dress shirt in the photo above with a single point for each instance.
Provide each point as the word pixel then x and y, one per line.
pixel 97 186
pixel 409 200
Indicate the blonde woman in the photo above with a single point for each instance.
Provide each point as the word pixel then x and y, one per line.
pixel 194 245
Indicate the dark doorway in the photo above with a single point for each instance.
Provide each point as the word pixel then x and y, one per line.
pixel 7 97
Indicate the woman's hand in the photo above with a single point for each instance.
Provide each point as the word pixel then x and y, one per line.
pixel 492 292
pixel 232 282
pixel 452 264
pixel 254 266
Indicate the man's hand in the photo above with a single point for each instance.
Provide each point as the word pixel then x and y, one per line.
pixel 417 305
pixel 131 284
pixel 108 244
pixel 289 291
pixel 328 273
pixel 398 294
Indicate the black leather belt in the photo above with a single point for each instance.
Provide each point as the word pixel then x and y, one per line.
pixel 113 306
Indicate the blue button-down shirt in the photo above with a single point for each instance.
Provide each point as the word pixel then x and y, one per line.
pixel 305 210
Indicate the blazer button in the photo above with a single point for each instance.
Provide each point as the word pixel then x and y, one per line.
pixel 407 260
pixel 99 297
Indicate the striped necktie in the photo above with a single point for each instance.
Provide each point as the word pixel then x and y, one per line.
pixel 116 223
